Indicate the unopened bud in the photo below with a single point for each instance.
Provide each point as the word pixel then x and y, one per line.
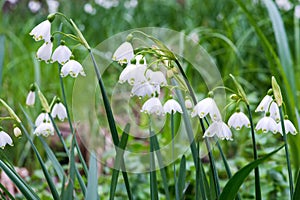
pixel 17 131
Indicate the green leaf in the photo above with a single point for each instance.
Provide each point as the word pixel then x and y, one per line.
pixel 181 177
pixel 232 186
pixel 296 194
pixel 18 181
pixel 92 186
pixel 153 181
pixel 2 52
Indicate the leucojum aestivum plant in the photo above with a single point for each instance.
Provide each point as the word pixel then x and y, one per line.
pixel 157 77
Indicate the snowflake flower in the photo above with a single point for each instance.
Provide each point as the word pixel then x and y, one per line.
pixel 30 99
pixel 72 68
pixel 153 106
pixel 45 51
pixel 156 78
pixel 145 89
pixel 266 124
pixel 61 54
pixel 289 127
pixel 45 129
pixel 124 53
pixel 5 139
pixel 207 106
pixel 59 111
pixel 172 106
pixel 220 129
pixel 17 131
pixel 238 120
pixel 43 117
pixel 42 31
pixel 264 104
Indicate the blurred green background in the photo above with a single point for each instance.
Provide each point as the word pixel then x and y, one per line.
pixel 221 27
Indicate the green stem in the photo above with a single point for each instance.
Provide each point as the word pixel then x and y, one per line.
pixel 287 155
pixel 210 155
pixel 256 170
pixel 173 157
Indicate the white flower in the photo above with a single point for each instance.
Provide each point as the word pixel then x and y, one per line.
pixel 156 78
pixel 42 31
pixel 297 12
pixel 73 68
pixel 145 89
pixel 44 129
pixel 284 4
pixel 43 117
pixel 274 111
pixel 134 73
pixel 238 120
pixel 30 99
pixel 61 54
pixel 220 129
pixel 59 111
pixel 5 139
pixel 172 106
pixel 264 104
pixel 17 131
pixel 124 53
pixel 153 106
pixel 266 124
pixel 207 106
pixel 289 127
pixel 45 51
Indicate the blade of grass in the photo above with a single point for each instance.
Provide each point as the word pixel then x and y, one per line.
pixel 118 161
pixel 18 181
pixel 296 194
pixel 232 186
pixel 153 181
pixel 181 177
pixel 92 186
pixel 2 53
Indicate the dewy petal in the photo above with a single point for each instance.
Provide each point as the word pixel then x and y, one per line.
pixel 43 117
pixel 42 31
pixel 144 89
pixel 72 68
pixel 289 127
pixel 44 129
pixel 124 53
pixel 5 139
pixel 238 120
pixel 264 104
pixel 172 105
pixel 153 106
pixel 156 78
pixel 59 111
pixel 266 124
pixel 220 129
pixel 207 106
pixel 61 54
pixel 133 74
pixel 45 51
pixel 30 99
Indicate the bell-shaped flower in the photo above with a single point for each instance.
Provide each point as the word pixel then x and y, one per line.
pixel 220 129
pixel 72 68
pixel 45 129
pixel 172 106
pixel 61 54
pixel 145 89
pixel 42 31
pixel 237 120
pixel 156 78
pixel 59 111
pixel 43 117
pixel 30 99
pixel 17 131
pixel 289 127
pixel 134 73
pixel 263 106
pixel 45 51
pixel 124 53
pixel 207 106
pixel 5 139
pixel 266 124
pixel 274 111
pixel 153 106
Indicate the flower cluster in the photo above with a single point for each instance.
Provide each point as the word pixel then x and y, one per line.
pixel 217 128
pixel 145 81
pixel 271 120
pixel 62 54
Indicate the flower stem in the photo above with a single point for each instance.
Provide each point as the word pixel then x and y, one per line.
pixel 256 170
pixel 287 155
